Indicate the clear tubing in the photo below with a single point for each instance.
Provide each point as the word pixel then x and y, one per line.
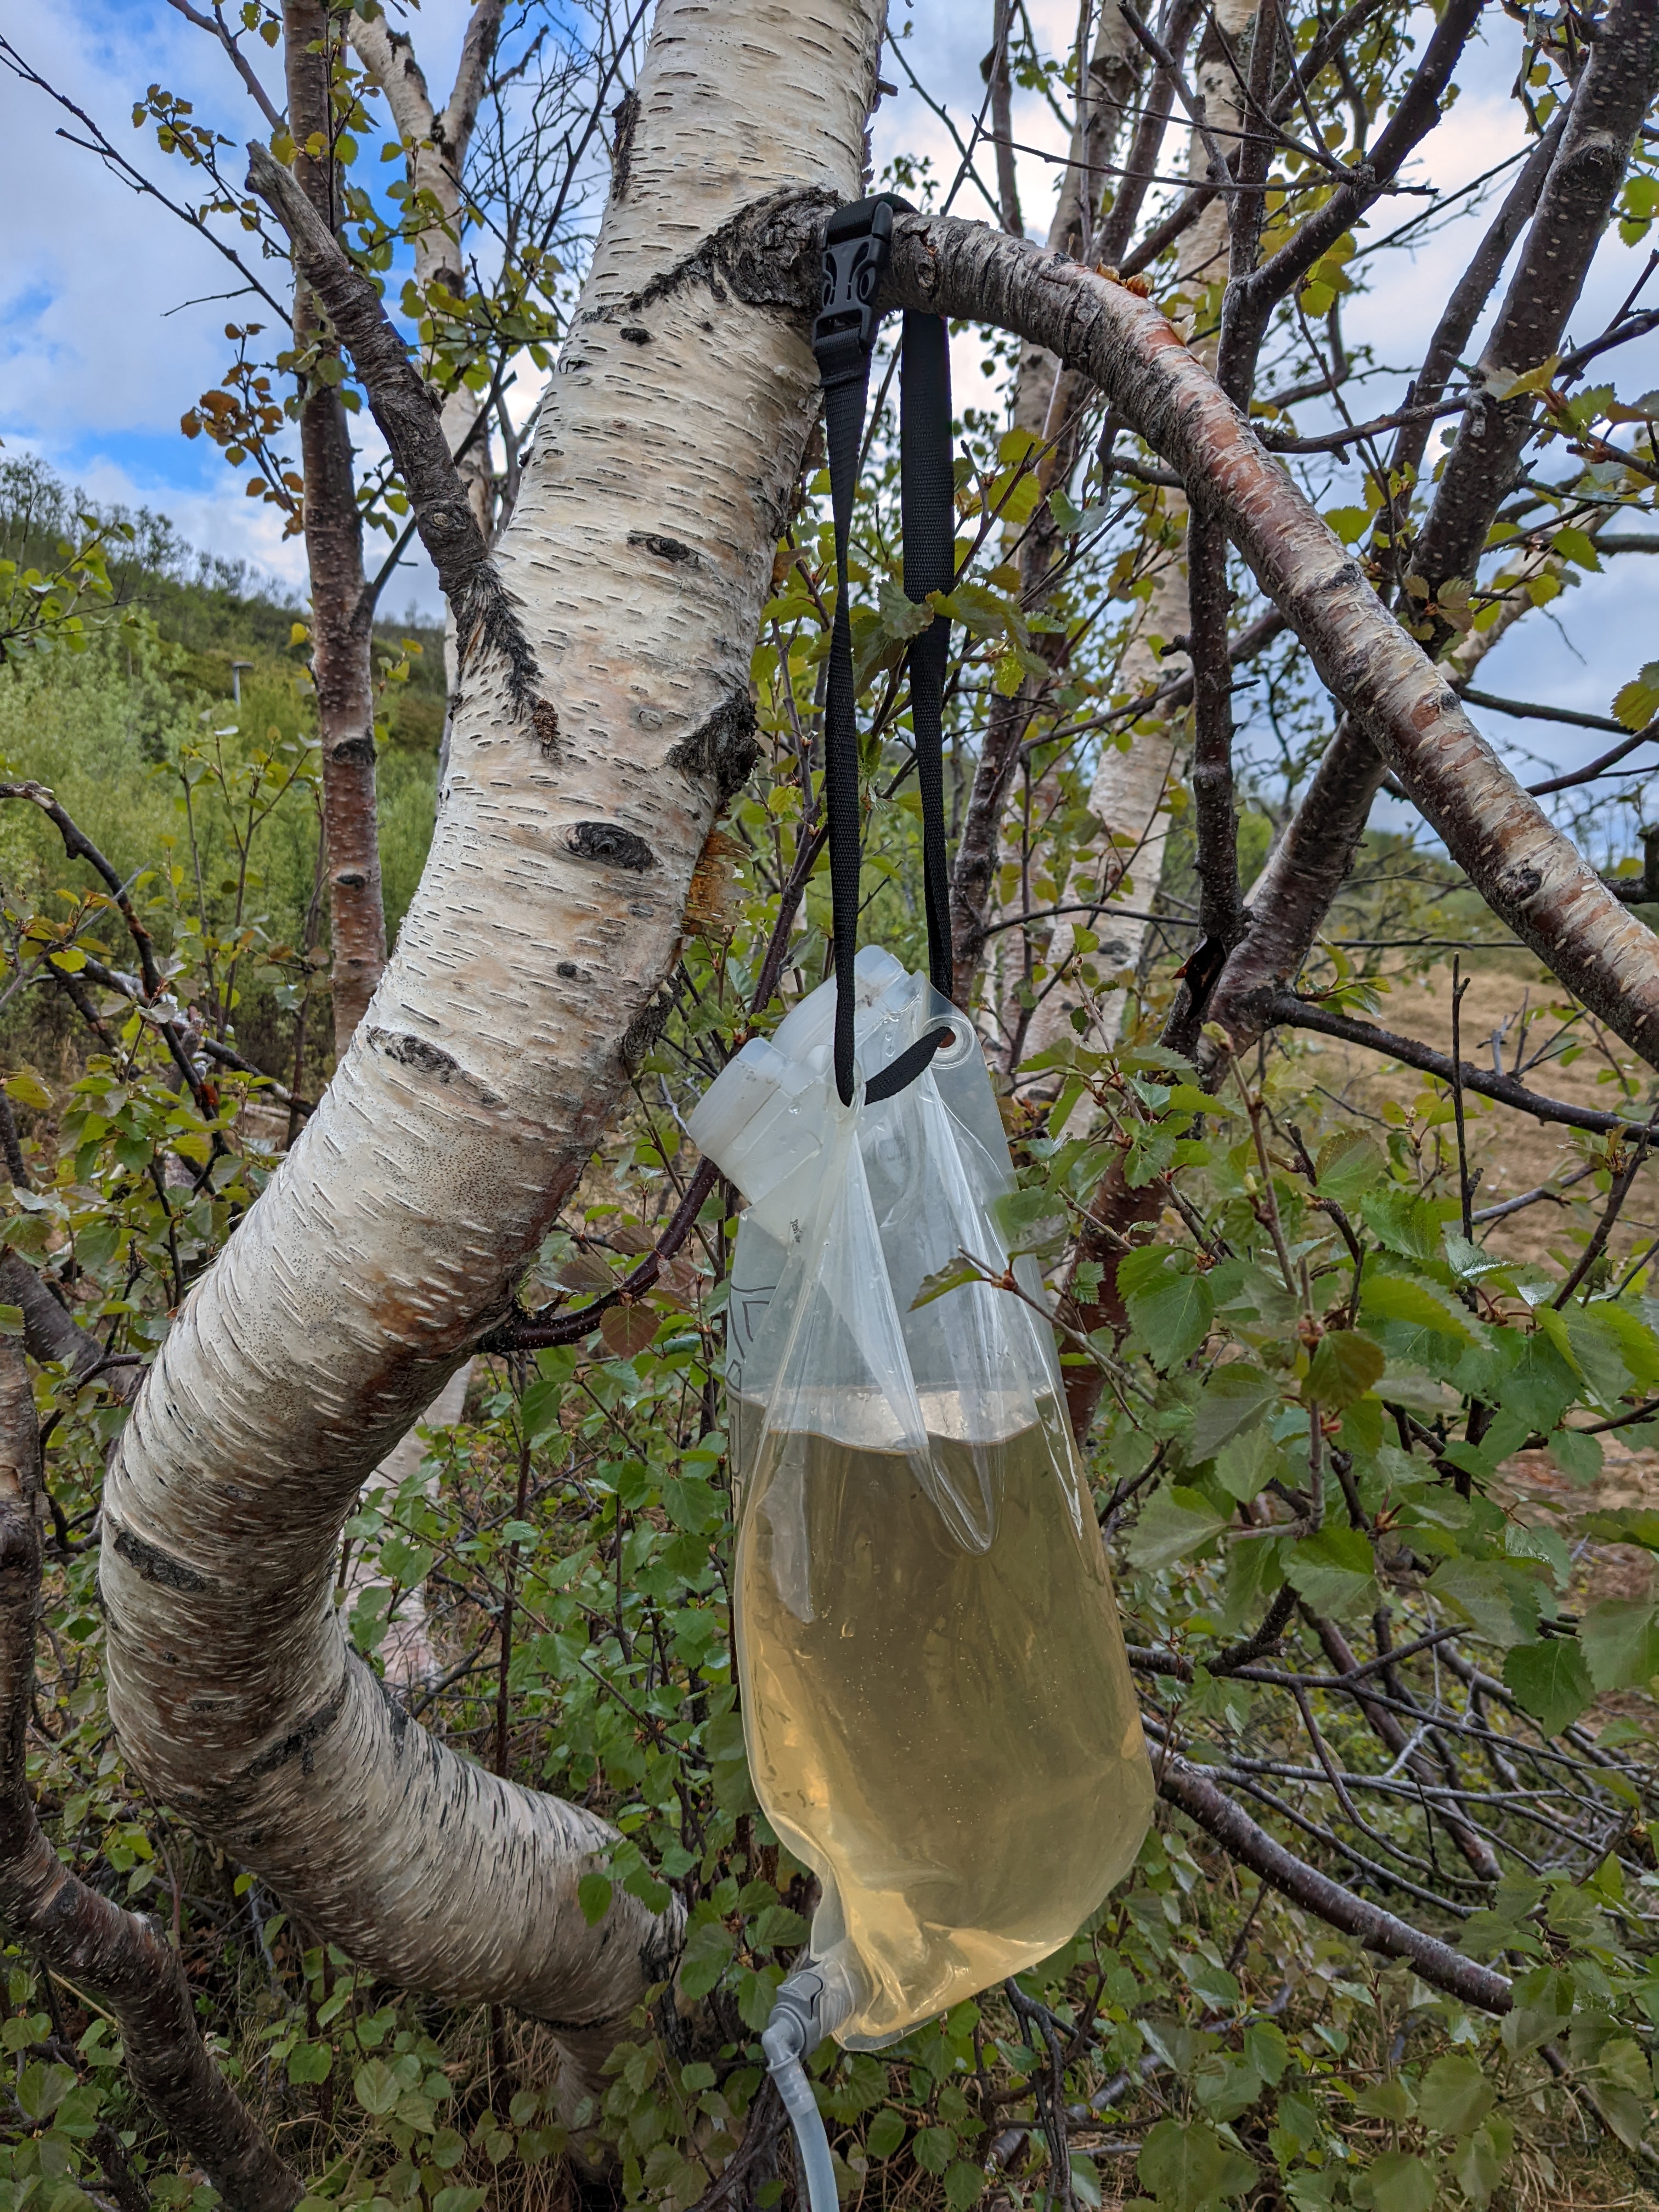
pixel 817 2170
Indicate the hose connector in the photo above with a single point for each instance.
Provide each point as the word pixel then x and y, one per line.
pixel 811 2004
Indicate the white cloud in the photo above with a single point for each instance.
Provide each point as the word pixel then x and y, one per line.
pixel 94 370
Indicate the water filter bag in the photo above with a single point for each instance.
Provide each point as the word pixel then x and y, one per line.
pixel 938 1707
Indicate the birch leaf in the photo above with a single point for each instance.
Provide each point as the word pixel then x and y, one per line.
pixel 1550 1680
pixel 1620 1640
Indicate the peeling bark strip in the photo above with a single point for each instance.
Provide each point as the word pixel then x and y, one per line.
pixel 69 1927
pixel 391 1237
pixel 1523 866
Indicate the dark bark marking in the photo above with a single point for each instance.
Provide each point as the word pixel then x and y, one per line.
pixel 156 1565
pixel 770 254
pixel 300 1743
pixel 430 1059
pixel 626 117
pixel 636 335
pixel 609 842
pixel 544 721
pixel 722 749
pixel 354 752
pixel 416 1052
pixel 567 968
pixel 666 549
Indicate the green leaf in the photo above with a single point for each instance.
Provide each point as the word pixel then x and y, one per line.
pixel 1550 1681
pixel 709 1949
pixel 1266 2051
pixel 1173 1319
pixel 1578 1455
pixel 1348 1165
pixel 1350 524
pixel 887 2132
pixel 1575 546
pixel 1246 1466
pixel 1232 1400
pixel 310 2062
pixel 26 1088
pixel 11 1320
pixel 376 2087
pixel 933 2149
pixel 1638 701
pixel 1498 1601
pixel 964 2184
pixel 1335 1571
pixel 458 2200
pixel 1185 2166
pixel 593 1894
pixel 42 2089
pixel 1626 1524
pixel 1344 1367
pixel 1400 2183
pixel 1455 2095
pixel 1172 1523
pixel 1479 2167
pixel 1401 1299
pixel 1620 1640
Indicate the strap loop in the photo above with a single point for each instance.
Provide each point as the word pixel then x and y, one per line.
pixel 855 253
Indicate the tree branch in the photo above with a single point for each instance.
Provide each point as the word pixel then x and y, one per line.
pixel 1577 196
pixel 1313 857
pixel 1306 1014
pixel 1186 1788
pixel 484 616
pixel 1524 866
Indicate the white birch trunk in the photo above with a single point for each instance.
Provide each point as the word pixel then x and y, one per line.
pixel 1129 795
pixel 542 932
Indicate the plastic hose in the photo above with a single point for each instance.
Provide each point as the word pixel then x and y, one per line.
pixel 811 2004
pixel 818 2169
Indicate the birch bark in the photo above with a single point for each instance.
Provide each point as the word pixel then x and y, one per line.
pixel 1129 795
pixel 1049 403
pixel 530 972
pixel 436 142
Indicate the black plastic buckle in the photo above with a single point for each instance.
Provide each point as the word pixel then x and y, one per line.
pixel 856 251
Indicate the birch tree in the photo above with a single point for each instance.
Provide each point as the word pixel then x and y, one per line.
pixel 609 707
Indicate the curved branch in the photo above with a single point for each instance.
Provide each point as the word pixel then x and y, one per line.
pixel 530 976
pixel 1529 872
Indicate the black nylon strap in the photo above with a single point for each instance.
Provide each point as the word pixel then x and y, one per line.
pixel 844 338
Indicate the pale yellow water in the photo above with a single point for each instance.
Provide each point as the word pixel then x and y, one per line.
pixel 950 1738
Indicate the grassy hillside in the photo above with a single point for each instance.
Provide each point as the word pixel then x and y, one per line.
pixel 206 800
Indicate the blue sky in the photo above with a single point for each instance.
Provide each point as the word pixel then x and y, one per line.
pixel 99 355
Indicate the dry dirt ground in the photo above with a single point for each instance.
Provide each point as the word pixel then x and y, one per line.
pixel 1513 1152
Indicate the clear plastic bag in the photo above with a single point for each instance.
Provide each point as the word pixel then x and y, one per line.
pixel 938 1707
